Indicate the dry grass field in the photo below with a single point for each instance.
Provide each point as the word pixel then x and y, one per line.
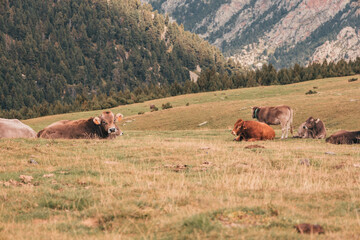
pixel 168 178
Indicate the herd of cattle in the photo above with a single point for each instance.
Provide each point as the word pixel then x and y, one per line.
pixel 283 115
pixel 105 126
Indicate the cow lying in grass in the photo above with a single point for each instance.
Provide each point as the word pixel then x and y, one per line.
pixel 312 128
pixel 252 131
pixel 13 128
pixel 344 137
pixel 103 126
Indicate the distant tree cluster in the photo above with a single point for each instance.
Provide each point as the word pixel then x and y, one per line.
pixel 211 80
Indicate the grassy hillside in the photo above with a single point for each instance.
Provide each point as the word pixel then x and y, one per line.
pixel 337 103
pixel 167 178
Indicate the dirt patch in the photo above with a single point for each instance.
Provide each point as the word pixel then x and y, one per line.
pixel 185 167
pixel 91 222
pixel 309 228
pixel 253 146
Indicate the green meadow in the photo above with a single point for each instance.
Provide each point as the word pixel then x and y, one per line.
pixel 169 178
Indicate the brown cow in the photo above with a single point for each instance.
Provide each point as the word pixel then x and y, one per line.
pixel 103 126
pixel 252 131
pixel 274 116
pixel 302 131
pixel 312 128
pixel 13 128
pixel 315 127
pixel 344 137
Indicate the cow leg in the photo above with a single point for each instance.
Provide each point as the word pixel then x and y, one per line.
pixel 282 131
pixel 238 138
pixel 287 130
pixel 288 126
pixel 252 139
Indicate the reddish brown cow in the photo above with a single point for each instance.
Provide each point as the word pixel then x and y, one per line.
pixel 103 126
pixel 252 131
pixel 344 137
pixel 274 116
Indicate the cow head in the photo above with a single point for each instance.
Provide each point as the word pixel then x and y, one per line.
pixel 255 111
pixel 302 131
pixel 107 122
pixel 238 127
pixel 311 123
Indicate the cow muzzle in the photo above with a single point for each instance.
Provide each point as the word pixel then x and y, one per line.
pixel 112 130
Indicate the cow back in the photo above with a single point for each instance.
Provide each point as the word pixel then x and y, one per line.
pixel 70 129
pixel 320 130
pixel 13 128
pixel 274 115
pixel 344 137
pixel 254 130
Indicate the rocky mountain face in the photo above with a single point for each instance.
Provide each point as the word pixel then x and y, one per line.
pixel 280 32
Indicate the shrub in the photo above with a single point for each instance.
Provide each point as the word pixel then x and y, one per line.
pixel 166 106
pixel 311 92
pixel 352 79
pixel 153 108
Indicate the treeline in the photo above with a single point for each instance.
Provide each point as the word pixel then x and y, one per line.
pixel 209 80
pixel 54 54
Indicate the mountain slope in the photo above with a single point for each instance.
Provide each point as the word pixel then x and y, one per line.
pixel 57 52
pixel 281 32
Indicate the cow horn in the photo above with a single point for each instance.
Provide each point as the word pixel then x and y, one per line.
pixel 317 120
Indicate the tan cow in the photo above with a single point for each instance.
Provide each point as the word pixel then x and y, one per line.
pixel 13 128
pixel 103 126
pixel 316 128
pixel 302 131
pixel 274 116
pixel 312 128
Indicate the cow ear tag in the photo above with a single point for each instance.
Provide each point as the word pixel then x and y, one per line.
pixel 119 116
pixel 96 120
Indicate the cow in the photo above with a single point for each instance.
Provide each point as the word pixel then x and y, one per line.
pixel 13 128
pixel 315 128
pixel 302 131
pixel 312 128
pixel 274 116
pixel 252 131
pixel 344 137
pixel 103 126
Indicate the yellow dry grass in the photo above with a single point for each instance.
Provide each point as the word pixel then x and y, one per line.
pixel 167 178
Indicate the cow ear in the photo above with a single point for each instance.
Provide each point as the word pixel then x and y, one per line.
pixel 317 120
pixel 118 117
pixel 97 120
